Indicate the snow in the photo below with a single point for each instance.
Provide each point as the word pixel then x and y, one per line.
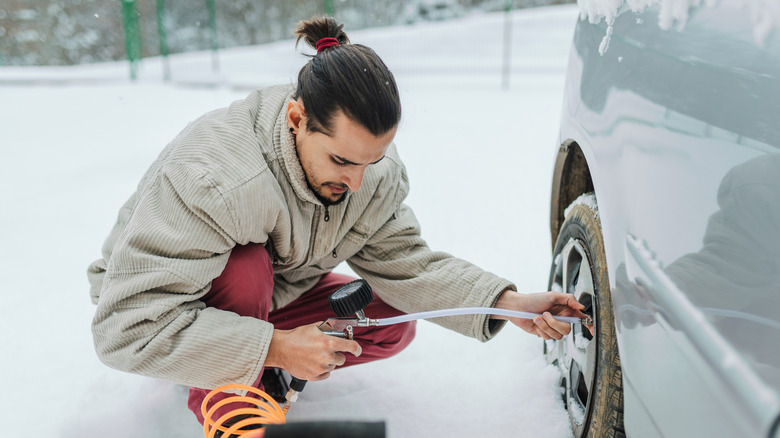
pixel 588 199
pixel 674 13
pixel 480 160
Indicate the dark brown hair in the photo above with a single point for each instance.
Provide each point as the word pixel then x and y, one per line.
pixel 348 77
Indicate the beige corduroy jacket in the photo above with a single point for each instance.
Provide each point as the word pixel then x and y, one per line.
pixel 233 177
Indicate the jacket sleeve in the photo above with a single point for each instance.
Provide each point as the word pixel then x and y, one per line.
pixel 149 319
pixel 407 275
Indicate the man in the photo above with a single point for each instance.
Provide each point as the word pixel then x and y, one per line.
pixel 219 265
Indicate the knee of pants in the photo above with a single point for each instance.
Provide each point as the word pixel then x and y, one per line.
pixel 401 334
pixel 383 342
pixel 246 284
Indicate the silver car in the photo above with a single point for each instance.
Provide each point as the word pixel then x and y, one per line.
pixel 665 221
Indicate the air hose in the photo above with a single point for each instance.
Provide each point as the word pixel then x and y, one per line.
pixel 267 420
pixel 266 411
pixel 473 311
pixel 349 299
pixel 354 296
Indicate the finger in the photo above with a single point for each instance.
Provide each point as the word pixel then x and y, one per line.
pixel 551 326
pixel 542 335
pixel 572 312
pixel 564 328
pixel 572 302
pixel 575 308
pixel 569 301
pixel 338 359
pixel 567 311
pixel 322 376
pixel 347 346
pixel 540 330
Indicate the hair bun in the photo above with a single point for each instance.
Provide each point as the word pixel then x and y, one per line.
pixel 344 78
pixel 317 28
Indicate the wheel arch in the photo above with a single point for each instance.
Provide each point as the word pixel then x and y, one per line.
pixel 571 178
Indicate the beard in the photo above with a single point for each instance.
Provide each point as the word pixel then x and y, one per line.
pixel 319 189
pixel 328 201
pixel 319 193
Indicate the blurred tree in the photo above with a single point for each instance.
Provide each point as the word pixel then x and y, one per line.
pixel 51 32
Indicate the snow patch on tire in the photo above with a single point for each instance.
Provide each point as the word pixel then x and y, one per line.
pixel 588 199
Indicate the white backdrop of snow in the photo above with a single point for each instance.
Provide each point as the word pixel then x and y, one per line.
pixel 480 161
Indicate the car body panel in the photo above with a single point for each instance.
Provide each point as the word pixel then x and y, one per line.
pixel 680 132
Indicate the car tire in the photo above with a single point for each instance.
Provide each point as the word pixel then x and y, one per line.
pixel 591 377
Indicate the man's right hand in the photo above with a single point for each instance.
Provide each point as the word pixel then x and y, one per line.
pixel 307 353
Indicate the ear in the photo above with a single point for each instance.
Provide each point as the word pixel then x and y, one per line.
pixel 296 115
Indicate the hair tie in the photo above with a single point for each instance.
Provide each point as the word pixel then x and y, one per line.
pixel 326 42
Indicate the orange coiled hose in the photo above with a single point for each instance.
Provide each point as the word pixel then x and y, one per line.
pixel 267 411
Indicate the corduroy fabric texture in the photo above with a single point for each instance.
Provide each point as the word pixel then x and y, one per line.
pixel 232 177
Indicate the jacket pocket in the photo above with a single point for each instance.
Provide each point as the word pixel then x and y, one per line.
pixel 352 242
pixel 277 260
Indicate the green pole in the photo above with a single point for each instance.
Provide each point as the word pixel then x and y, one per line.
pixel 132 35
pixel 327 7
pixel 213 32
pixel 507 73
pixel 162 31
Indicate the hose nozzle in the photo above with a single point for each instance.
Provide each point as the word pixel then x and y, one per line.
pixel 296 386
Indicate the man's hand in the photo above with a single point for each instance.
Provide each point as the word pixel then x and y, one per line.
pixel 307 353
pixel 546 303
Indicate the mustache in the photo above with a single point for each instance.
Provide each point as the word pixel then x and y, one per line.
pixel 338 185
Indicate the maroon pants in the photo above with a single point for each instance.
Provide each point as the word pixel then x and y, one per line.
pixel 246 286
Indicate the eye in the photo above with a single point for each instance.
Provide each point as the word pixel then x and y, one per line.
pixel 337 161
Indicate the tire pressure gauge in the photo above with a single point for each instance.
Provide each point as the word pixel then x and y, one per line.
pixel 351 299
pixel 347 302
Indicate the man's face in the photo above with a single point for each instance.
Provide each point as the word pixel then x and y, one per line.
pixel 334 164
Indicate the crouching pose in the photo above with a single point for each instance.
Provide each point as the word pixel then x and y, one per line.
pixel 219 265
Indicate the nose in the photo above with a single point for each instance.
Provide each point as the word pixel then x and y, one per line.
pixel 354 178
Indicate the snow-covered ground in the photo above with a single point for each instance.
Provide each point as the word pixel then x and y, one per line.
pixel 77 140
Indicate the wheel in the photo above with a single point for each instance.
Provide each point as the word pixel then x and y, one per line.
pixel 591 379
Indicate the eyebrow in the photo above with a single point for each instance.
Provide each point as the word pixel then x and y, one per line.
pixel 353 163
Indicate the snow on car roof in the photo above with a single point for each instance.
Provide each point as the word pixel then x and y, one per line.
pixel 764 13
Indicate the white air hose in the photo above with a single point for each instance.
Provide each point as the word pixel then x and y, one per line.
pixel 473 311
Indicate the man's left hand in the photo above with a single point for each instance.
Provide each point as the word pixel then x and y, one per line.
pixel 545 303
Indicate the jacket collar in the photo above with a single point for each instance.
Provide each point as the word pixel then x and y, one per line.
pixel 291 164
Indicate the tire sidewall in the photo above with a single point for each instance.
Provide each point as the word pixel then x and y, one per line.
pixel 604 415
